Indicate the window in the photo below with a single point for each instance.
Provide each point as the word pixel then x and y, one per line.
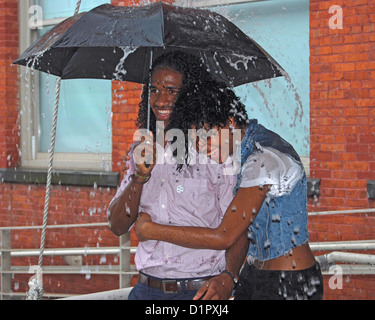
pixel 84 133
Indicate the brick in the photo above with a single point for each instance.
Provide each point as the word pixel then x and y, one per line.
pixel 356 38
pixel 357 75
pixel 343 67
pixel 357 148
pixel 365 65
pixel 370 102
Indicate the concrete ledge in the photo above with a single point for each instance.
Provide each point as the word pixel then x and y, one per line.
pixel 60 177
pixel 119 294
pixel 107 179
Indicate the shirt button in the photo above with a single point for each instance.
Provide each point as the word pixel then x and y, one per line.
pixel 163 206
pixel 180 189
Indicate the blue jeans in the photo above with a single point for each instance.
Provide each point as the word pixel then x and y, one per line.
pixel 143 292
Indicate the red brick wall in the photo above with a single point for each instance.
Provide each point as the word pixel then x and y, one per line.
pixel 342 104
pixel 342 132
pixel 125 99
pixel 9 133
pixel 23 205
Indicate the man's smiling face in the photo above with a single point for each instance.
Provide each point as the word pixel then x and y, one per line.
pixel 165 86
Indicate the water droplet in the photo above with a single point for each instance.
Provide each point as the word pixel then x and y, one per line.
pixel 127 210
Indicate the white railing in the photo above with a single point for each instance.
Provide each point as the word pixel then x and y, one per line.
pixel 359 263
pixel 124 269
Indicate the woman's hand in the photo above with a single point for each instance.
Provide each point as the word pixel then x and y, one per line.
pixel 216 288
pixel 140 225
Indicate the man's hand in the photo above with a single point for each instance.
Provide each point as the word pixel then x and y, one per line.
pixel 144 154
pixel 125 160
pixel 143 218
pixel 216 288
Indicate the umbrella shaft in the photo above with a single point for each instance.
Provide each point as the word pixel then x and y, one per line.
pixel 149 92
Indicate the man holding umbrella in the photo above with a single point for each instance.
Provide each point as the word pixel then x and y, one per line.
pixel 112 42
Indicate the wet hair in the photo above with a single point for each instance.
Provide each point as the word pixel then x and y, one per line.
pixel 201 101
pixel 212 105
pixel 194 74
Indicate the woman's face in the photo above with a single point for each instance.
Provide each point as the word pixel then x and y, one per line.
pixel 165 86
pixel 216 143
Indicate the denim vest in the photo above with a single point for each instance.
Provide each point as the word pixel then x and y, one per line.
pixel 281 223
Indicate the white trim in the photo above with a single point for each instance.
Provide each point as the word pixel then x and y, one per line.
pixel 75 161
pixel 48 22
pixel 210 3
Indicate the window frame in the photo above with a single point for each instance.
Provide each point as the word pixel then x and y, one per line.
pixel 211 3
pixel 29 111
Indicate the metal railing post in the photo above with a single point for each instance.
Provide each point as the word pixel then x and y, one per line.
pixel 125 260
pixel 6 277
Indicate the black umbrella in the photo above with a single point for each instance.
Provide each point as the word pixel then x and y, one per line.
pixel 116 42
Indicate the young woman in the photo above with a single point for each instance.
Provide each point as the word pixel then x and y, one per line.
pixel 270 201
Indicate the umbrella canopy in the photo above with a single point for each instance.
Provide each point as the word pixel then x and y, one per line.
pixel 116 42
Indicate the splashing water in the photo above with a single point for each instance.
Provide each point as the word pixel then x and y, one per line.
pixel 242 59
pixel 120 72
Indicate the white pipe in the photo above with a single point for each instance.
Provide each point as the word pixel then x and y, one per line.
pixel 71 251
pixel 349 257
pixel 315 246
pixel 343 245
pixel 321 213
pixel 345 257
pixel 349 269
pixel 105 224
pixel 58 226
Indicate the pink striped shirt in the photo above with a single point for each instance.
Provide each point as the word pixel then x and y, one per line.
pixel 197 196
